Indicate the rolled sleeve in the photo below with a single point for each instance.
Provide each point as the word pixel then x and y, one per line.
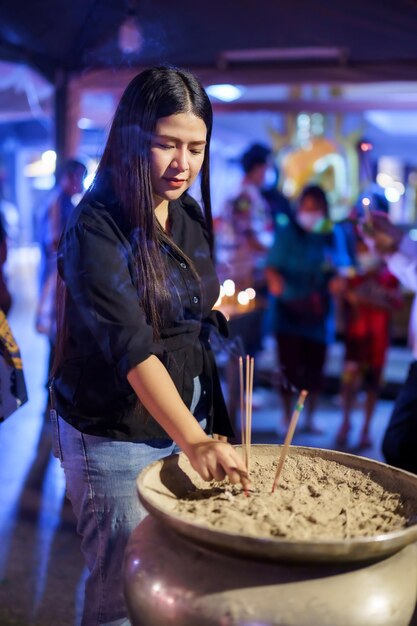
pixel 97 265
pixel 218 321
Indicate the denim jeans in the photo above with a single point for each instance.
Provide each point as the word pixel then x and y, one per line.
pixel 101 477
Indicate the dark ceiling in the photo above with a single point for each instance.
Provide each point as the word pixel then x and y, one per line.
pixel 377 39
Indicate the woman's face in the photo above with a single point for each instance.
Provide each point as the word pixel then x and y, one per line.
pixel 177 154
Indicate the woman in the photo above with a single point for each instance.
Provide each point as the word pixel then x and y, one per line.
pixel 301 276
pixel 134 377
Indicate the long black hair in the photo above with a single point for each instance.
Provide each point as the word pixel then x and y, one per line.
pixel 124 170
pixel 154 93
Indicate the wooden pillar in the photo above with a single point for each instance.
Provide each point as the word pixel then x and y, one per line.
pixel 60 109
pixel 67 113
pixel 73 115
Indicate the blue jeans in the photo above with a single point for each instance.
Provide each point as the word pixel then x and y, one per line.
pixel 101 477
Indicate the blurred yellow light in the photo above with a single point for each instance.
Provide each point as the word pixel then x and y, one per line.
pixel 383 179
pixel 396 184
pixel 243 298
pixel 229 287
pixel 45 166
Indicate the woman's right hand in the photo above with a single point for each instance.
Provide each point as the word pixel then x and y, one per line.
pixel 214 460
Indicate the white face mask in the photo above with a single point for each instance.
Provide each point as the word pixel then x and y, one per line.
pixel 368 261
pixel 308 220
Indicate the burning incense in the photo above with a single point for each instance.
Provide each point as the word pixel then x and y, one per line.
pixel 288 437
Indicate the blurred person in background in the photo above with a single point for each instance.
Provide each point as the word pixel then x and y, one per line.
pixel 400 253
pixel 301 275
pixel 53 220
pixel 55 216
pixel 245 235
pixel 370 295
pixel 247 224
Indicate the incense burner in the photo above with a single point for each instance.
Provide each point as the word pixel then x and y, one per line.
pixel 187 574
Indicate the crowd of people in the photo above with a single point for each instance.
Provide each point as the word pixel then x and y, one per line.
pixel 321 277
pixel 128 286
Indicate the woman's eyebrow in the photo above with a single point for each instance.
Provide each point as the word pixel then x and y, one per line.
pixel 198 142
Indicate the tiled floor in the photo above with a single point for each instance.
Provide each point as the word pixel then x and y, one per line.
pixel 41 570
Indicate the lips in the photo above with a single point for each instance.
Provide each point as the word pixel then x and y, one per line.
pixel 175 183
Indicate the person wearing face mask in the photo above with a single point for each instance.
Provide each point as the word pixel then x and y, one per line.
pixel 370 295
pixel 399 251
pixel 312 220
pixel 301 276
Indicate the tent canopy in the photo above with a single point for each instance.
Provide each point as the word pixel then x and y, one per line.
pixel 271 47
pixel 249 41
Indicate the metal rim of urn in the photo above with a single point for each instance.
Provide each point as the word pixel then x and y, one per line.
pixel 156 497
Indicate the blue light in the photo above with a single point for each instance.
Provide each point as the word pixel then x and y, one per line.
pixel 85 123
pixel 226 93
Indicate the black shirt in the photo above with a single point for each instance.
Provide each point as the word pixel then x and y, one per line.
pixel 108 333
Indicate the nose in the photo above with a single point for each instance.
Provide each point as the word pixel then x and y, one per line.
pixel 180 160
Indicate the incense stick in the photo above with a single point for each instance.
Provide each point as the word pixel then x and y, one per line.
pixel 247 436
pixel 246 395
pixel 288 437
pixel 242 426
pixel 250 403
